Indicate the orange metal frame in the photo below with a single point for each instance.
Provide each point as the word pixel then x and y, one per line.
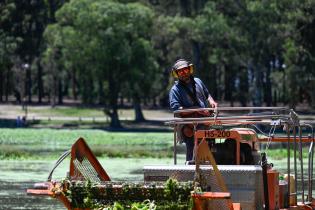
pixel 238 136
pixel 200 197
pixel 53 190
pixel 203 153
pixel 230 134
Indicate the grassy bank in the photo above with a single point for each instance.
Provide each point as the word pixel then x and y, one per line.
pixel 49 143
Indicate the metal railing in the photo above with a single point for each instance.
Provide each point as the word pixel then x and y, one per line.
pixel 280 116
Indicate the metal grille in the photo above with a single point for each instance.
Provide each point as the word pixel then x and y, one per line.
pixel 84 165
pixel 244 182
pixel 86 170
pixel 212 181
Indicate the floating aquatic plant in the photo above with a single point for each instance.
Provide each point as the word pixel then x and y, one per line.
pixel 130 195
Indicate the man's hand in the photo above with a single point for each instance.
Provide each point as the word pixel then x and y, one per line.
pixel 213 104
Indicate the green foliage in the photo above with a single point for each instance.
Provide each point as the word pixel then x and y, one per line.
pixel 112 41
pixel 145 205
pixel 98 51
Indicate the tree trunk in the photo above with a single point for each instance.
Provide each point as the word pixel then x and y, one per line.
pixel 185 8
pixel 114 119
pixel 197 54
pixel 275 98
pixel 214 83
pixel 121 101
pixel 60 92
pixel 29 84
pixel 312 93
pixel 243 94
pixel 228 83
pixel 39 81
pixel 101 94
pixel 7 85
pixel 113 96
pixel 257 97
pixel 54 92
pixel 268 87
pixel 284 97
pixel 1 85
pixel 74 85
pixel 137 107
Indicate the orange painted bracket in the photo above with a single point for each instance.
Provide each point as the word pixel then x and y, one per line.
pixel 43 188
pixel 39 192
pixel 300 207
pixel 47 188
pixel 212 195
pixel 197 197
pixel 236 206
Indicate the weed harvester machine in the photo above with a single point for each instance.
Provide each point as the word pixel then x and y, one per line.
pixel 229 169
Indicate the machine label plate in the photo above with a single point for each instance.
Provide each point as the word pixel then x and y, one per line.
pixel 217 134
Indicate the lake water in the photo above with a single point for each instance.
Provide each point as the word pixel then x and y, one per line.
pixel 17 176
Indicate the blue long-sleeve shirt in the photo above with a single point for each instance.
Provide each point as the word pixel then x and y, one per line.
pixel 179 97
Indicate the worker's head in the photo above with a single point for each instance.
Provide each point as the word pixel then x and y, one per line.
pixel 182 70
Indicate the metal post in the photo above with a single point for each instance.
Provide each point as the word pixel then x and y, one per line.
pixel 312 162
pixel 310 171
pixel 295 165
pixel 197 169
pixel 174 149
pixel 264 166
pixel 301 161
pixel 288 161
pixel 195 143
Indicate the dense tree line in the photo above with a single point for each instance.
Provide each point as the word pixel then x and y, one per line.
pixel 102 52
